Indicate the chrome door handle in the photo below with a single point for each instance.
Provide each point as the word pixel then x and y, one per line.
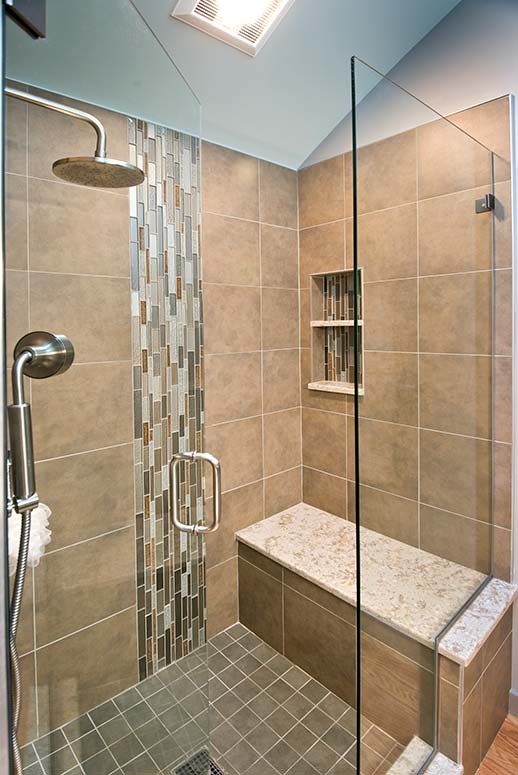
pixel 191 457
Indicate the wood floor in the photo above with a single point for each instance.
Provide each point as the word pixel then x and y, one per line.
pixel 502 758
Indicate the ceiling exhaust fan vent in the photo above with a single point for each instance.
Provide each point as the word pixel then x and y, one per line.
pixel 244 24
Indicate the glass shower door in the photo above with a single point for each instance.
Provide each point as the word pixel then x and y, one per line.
pixel 112 638
pixel 431 429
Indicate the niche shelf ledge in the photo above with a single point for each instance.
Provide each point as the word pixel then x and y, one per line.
pixel 334 323
pixel 328 386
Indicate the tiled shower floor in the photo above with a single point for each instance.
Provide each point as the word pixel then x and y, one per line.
pixel 267 717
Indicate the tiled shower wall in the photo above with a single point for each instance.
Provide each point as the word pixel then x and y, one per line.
pixel 69 272
pixel 426 417
pixel 251 328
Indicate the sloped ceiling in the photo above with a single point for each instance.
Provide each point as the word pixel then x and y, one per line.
pixel 279 105
pixel 282 103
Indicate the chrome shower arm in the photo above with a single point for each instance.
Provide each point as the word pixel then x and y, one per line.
pixel 94 122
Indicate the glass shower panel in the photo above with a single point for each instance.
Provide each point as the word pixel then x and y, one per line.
pixel 113 634
pixel 425 423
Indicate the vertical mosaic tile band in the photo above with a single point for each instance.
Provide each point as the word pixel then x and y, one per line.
pixel 338 304
pixel 165 216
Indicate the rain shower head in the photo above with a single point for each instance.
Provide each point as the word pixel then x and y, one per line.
pixel 98 171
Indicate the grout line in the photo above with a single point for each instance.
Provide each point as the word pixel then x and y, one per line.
pixel 86 627
pixel 251 220
pixel 84 452
pixel 130 525
pixel 252 417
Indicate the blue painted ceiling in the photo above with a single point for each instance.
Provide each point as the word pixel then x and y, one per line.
pixel 278 106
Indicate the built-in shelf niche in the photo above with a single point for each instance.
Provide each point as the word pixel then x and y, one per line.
pixel 332 332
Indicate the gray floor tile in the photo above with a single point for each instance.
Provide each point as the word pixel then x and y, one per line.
pixel 128 699
pixel 244 720
pixel 103 712
pixel 151 732
pixel 242 756
pixel 300 738
pixel 281 721
pixel 59 762
pixel 322 757
pixel 126 749
pixel 314 691
pixel 141 766
pixel 262 738
pixel 263 705
pixel 87 746
pixel 225 737
pixel 281 756
pixel 102 763
pixel 338 738
pixel 114 729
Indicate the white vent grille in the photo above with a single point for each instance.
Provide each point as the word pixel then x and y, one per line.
pixel 237 29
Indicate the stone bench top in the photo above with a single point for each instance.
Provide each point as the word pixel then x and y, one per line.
pixel 415 592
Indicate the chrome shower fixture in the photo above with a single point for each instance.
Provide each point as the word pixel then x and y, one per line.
pixel 38 355
pixel 99 170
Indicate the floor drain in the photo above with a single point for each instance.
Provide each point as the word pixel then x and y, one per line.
pixel 200 764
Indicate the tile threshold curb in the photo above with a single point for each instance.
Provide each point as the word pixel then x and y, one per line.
pixel 414 756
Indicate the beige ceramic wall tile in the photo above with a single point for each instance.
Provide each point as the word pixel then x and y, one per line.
pixel 305 329
pixel 503 399
pixel 449 160
pixel 17 309
pixel 391 388
pixel 238 447
pixel 282 442
pixel 322 249
pixel 25 634
pixel 502 461
pixel 232 387
pixel 83 584
pixel 502 553
pixel 449 699
pixel 280 318
pixel 387 173
pixel 502 344
pixel 329 659
pixel 397 692
pixel 489 124
pixel 455 474
pixel 279 257
pixel 230 250
pixel 472 716
pixel 241 507
pixel 325 491
pixel 452 236
pixel 222 603
pixel 503 224
pixel 455 313
pixel 391 311
pixel 388 457
pixel 29 728
pixel 496 683
pixel 387 246
pixel 63 220
pixel 385 513
pixel 324 441
pixel 230 182
pixel 260 603
pixel 235 313
pixel 282 491
pixel 455 393
pixel 321 192
pixel 16 221
pixel 315 399
pixel 278 194
pixel 82 409
pixel 94 664
pixel 281 380
pixel 461 540
pixel 89 493
pixel 79 306
pixel 16 136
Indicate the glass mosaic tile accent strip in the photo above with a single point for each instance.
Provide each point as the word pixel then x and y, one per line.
pixel 338 304
pixel 167 340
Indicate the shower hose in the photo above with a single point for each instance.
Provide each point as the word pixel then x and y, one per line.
pixel 16 604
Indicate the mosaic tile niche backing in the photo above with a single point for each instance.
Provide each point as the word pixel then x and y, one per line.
pixel 165 214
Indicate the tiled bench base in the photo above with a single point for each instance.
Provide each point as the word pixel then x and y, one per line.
pixel 286 577
pixel 317 631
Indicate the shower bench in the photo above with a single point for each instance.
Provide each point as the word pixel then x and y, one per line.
pixel 298 591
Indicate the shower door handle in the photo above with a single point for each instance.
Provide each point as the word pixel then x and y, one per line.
pixel 191 457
